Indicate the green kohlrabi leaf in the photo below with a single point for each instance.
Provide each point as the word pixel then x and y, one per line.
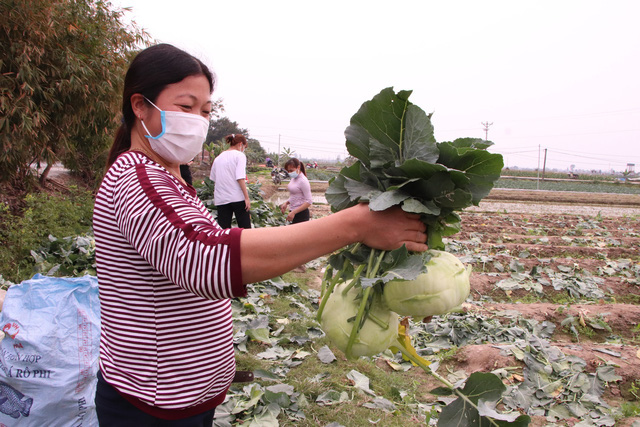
pixel 407 269
pixel 419 142
pixel 442 190
pixel 476 143
pixel 360 191
pixel 382 201
pixel 456 199
pixel 382 156
pixel 441 226
pixel 399 185
pixel 398 264
pixel 415 206
pixel 380 120
pixel 336 195
pixel 415 168
pixel 464 412
pixel 354 184
pixel 481 167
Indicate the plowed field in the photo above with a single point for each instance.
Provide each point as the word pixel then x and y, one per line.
pixel 569 262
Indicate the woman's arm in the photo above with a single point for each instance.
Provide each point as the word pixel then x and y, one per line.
pixel 269 252
pixel 297 210
pixel 243 187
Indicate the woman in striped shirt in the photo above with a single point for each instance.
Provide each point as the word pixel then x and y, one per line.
pixel 167 271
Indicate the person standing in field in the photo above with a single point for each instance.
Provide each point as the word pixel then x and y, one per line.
pixel 229 172
pixel 299 197
pixel 167 271
pixel 299 193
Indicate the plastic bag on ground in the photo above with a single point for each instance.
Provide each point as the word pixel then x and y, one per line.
pixel 49 352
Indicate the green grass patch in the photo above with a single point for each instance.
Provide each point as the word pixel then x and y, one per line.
pixel 313 379
pixel 59 215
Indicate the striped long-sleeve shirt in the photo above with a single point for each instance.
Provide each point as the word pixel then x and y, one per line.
pixel 166 272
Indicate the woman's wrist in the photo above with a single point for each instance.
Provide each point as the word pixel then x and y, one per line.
pixel 355 222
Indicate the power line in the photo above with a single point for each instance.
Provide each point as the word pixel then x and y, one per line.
pixel 517 152
pixel 575 134
pixel 600 159
pixel 598 155
pixel 575 116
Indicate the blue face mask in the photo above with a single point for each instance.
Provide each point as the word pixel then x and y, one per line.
pixel 293 174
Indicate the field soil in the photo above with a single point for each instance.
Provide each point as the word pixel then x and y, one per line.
pixel 586 233
pixel 583 233
pixel 564 197
pixel 560 233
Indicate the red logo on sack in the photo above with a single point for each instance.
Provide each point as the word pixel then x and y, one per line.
pixel 11 329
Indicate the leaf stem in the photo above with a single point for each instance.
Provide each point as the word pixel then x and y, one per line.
pixel 405 351
pixel 355 331
pixel 378 321
pixel 374 272
pixel 369 264
pixel 363 309
pixel 328 274
pixel 329 289
pixel 400 142
pixel 355 280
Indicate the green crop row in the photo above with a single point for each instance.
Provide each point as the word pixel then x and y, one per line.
pixel 588 187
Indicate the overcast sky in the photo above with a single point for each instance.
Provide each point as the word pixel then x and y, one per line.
pixel 554 76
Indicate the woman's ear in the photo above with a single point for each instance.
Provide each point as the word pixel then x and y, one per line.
pixel 138 105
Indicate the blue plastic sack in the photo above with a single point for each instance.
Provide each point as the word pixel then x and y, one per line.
pixel 49 352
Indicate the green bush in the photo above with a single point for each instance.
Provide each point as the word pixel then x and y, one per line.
pixel 44 215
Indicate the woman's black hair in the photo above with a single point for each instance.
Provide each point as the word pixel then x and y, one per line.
pixel 152 70
pixel 296 164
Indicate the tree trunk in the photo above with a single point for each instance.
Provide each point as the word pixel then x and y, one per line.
pixel 45 173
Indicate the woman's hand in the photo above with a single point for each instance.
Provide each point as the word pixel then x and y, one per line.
pixel 391 228
pixel 247 204
pixel 283 207
pixel 290 216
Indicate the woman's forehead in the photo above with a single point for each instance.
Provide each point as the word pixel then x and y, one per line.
pixel 195 88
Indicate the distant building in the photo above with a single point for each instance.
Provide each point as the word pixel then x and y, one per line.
pixel 631 167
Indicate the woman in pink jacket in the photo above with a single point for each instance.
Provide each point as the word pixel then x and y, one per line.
pixel 299 193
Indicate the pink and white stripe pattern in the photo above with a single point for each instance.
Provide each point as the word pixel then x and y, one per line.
pixel 166 272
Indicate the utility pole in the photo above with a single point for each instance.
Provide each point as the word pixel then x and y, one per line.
pixel 538 170
pixel 544 163
pixel 486 129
